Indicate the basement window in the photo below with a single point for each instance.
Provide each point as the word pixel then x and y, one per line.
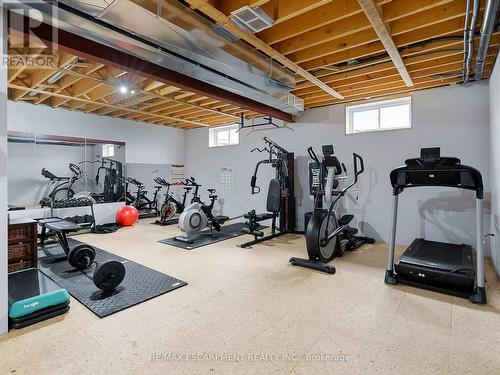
pixel 108 151
pixel 379 116
pixel 223 136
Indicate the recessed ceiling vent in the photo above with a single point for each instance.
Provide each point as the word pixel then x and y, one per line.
pixel 251 19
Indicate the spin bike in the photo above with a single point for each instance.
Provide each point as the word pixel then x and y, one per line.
pixel 327 236
pixel 192 183
pixel 141 200
pixel 60 188
pixel 171 206
pixel 196 217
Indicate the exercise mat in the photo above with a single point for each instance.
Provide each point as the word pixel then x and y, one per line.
pixel 140 283
pixel 205 238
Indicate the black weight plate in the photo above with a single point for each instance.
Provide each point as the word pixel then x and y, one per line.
pixel 81 256
pixel 109 275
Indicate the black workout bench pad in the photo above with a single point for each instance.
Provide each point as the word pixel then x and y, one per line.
pixel 227 232
pixel 140 283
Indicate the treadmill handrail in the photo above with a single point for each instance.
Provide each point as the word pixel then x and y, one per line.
pixel 416 174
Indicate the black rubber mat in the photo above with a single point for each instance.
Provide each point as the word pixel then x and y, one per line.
pixel 227 232
pixel 140 283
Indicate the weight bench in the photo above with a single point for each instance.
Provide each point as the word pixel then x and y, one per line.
pixel 273 207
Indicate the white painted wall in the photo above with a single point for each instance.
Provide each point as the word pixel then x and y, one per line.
pixel 495 164
pixel 145 143
pixel 4 321
pixel 454 118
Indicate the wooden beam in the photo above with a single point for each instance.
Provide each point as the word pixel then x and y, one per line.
pixel 148 91
pixel 373 15
pixel 222 19
pixel 321 16
pixel 94 51
pixel 447 28
pixel 117 107
pixel 424 12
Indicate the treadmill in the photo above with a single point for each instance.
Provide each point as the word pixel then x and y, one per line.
pixel 438 266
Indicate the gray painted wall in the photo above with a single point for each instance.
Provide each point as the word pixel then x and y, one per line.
pixel 495 164
pixel 454 118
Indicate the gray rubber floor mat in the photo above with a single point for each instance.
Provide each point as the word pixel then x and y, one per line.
pixel 205 238
pixel 140 283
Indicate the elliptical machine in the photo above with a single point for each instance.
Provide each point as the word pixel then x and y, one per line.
pixel 327 236
pixel 171 206
pixel 196 217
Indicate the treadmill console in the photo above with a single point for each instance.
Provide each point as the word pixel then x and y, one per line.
pixel 430 155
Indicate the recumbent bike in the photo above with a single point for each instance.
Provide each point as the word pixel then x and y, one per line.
pixel 328 236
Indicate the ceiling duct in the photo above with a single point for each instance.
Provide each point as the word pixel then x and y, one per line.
pixel 251 19
pixel 176 37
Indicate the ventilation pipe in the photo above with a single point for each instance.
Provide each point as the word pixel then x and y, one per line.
pixel 470 40
pixel 466 30
pixel 489 19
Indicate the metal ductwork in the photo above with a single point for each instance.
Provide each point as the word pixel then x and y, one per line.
pixel 489 20
pixel 175 37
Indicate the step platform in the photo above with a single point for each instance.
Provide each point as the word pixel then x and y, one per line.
pixel 34 297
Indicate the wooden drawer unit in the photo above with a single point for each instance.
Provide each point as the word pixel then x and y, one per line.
pixel 22 238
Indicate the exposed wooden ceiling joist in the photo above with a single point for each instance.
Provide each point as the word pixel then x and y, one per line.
pixel 222 19
pixel 333 43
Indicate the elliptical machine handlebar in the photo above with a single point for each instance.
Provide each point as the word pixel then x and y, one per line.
pixel 313 155
pixel 359 167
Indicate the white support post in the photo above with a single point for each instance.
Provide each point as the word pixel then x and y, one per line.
pixel 4 319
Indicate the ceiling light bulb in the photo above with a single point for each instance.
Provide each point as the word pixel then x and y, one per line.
pixel 132 91
pixel 123 89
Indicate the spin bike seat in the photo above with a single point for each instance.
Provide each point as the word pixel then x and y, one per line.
pixel 158 187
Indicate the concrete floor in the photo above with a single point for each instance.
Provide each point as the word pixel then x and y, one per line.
pixel 261 315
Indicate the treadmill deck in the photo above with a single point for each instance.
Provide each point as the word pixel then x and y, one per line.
pixel 438 255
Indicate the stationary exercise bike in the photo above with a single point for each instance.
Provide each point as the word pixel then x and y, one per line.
pixel 196 195
pixel 171 206
pixel 60 188
pixel 327 236
pixel 196 217
pixel 141 201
